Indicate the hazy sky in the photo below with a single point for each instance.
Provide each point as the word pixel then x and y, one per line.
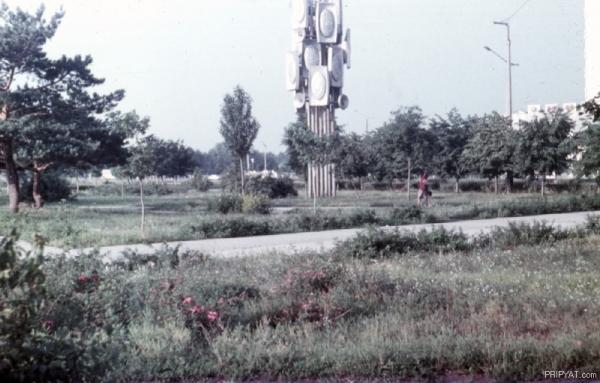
pixel 176 59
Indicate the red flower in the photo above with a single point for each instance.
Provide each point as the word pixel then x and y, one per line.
pixel 212 316
pixel 188 301
pixel 197 309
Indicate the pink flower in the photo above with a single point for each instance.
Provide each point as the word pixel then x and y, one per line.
pixel 82 279
pixel 197 309
pixel 188 301
pixel 212 316
pixel 48 325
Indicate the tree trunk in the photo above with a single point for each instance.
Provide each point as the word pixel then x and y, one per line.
pixel 242 173
pixel 143 207
pixel 456 185
pixel 12 176
pixel 408 180
pixel 38 200
pixel 122 189
pixel 543 185
pixel 510 180
pixel 496 184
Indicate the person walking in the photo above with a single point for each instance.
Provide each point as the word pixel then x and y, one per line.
pixel 423 194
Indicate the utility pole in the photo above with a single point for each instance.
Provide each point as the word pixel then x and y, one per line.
pixel 510 65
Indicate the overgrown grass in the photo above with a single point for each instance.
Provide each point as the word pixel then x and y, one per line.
pixel 506 309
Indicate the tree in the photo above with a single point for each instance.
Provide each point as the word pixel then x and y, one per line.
pixel 588 142
pixel 37 92
pixel 490 150
pixel 238 127
pixel 592 108
pixel 142 163
pixel 43 144
pixel 354 158
pixel 453 134
pixel 544 146
pixel 403 146
pixel 305 147
pixel 176 159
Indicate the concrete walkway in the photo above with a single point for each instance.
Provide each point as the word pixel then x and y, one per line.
pixel 326 240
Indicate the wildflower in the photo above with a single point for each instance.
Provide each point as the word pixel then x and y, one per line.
pixel 48 325
pixel 82 279
pixel 212 316
pixel 197 309
pixel 188 301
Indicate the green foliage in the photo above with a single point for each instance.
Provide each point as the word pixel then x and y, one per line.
pixel 34 346
pixel 545 145
pixel 238 126
pixel 589 144
pixel 592 108
pixel 402 216
pixel 453 133
pixel 281 187
pixel 200 182
pixel 226 203
pixel 354 156
pixel 256 204
pixel 51 116
pixel 402 145
pixel 490 151
pixel 151 156
pixel 381 243
pixel 54 187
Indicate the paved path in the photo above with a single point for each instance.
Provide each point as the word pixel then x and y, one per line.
pixel 325 240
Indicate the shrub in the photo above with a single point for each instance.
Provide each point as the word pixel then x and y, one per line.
pixel 228 228
pixel 272 187
pixel 256 204
pixel 384 243
pixel 199 182
pixel 53 187
pixel 517 234
pixel 226 203
pixel 408 214
pixel 34 347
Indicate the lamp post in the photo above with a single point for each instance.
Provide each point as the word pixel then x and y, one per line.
pixel 509 62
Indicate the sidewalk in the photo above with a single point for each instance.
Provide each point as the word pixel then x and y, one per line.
pixel 325 240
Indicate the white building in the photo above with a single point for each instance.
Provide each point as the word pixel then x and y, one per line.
pixel 537 111
pixel 592 48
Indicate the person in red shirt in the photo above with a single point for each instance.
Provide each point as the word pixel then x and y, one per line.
pixel 423 194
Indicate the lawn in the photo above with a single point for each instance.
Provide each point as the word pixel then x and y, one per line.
pixel 93 219
pixel 502 310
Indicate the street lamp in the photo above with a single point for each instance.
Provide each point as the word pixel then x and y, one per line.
pixel 509 62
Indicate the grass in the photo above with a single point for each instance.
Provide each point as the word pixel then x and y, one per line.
pixel 96 220
pixel 504 310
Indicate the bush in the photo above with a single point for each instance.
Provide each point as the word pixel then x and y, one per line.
pixel 34 348
pixel 53 187
pixel 408 214
pixel 383 243
pixel 229 228
pixel 199 182
pixel 226 203
pixel 256 204
pixel 271 187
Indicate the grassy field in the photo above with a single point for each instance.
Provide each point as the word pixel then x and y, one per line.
pixel 502 310
pixel 92 219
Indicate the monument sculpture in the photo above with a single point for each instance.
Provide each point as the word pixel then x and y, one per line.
pixel 315 74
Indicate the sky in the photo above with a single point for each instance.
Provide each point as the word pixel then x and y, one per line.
pixel 177 59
